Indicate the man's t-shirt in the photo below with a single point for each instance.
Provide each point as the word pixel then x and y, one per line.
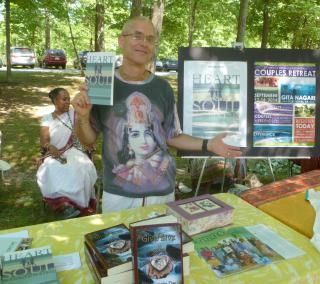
pixel 135 129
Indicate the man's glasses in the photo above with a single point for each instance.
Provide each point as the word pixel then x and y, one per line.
pixel 142 38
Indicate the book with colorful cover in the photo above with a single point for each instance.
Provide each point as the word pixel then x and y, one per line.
pixel 100 76
pixel 157 253
pixel 31 266
pixel 112 246
pixel 229 251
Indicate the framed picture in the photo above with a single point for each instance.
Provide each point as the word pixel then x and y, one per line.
pixel 265 100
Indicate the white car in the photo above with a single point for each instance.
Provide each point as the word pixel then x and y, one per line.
pixel 22 56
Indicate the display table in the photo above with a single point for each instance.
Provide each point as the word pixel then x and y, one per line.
pixel 285 200
pixel 67 237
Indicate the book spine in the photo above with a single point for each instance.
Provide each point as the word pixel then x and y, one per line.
pixel 96 253
pixel 92 267
pixel 101 270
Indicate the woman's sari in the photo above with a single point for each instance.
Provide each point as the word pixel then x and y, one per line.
pixel 68 181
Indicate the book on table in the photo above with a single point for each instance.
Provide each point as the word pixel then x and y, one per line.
pixel 99 77
pixel 200 213
pixel 101 271
pixel 236 249
pixel 112 247
pixel 100 275
pixel 157 253
pixel 187 243
pixel 30 266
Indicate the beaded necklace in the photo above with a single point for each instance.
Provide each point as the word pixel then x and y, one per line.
pixel 75 141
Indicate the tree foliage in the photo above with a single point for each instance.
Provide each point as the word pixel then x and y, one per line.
pixel 270 23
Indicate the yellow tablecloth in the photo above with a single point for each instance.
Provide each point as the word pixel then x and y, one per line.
pixel 293 211
pixel 67 237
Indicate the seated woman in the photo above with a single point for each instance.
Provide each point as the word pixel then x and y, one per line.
pixel 66 176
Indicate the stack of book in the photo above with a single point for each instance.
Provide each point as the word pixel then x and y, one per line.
pixel 200 213
pixel 32 266
pixel 109 254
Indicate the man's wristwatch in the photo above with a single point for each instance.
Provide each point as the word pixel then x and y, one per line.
pixel 205 145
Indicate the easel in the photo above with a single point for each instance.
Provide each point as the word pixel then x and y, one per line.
pixel 243 164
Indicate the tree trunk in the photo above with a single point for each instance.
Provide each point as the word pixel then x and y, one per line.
pixel 243 13
pixel 47 31
pixel 265 28
pixel 136 8
pixel 73 42
pixel 192 20
pixel 99 29
pixel 8 44
pixel 157 19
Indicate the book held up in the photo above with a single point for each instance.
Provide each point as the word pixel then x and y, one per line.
pixel 99 77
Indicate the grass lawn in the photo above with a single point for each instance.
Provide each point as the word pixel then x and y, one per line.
pixel 22 103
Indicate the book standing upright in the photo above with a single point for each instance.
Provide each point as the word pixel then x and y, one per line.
pixel 157 253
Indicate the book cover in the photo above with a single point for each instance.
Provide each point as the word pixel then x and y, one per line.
pixel 200 213
pixel 187 243
pixel 112 246
pixel 29 266
pixel 99 77
pixel 14 244
pixel 157 253
pixel 229 251
pixel 215 99
pixel 100 275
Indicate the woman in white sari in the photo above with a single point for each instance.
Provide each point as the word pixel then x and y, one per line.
pixel 66 176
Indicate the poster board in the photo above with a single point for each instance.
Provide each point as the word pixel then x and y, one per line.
pixel 266 100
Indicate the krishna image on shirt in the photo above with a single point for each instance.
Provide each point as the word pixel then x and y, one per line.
pixel 141 160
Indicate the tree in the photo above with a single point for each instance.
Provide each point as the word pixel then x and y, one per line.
pixel 8 44
pixel 99 28
pixel 265 27
pixel 136 8
pixel 192 20
pixel 243 13
pixel 157 19
pixel 47 31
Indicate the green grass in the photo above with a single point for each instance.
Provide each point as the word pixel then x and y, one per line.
pixel 20 101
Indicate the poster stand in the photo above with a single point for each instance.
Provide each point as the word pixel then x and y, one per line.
pixel 243 166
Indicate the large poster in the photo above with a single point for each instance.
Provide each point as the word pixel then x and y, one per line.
pixel 284 105
pixel 267 100
pixel 215 99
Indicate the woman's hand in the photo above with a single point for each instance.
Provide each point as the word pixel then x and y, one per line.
pixel 54 152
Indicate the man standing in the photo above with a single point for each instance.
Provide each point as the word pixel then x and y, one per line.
pixel 139 127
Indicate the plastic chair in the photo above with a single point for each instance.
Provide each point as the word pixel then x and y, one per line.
pixel 4 166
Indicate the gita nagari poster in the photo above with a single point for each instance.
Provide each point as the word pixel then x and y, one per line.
pixel 266 100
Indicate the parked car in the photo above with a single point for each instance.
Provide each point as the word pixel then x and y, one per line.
pixel 170 64
pixel 22 56
pixel 159 65
pixel 82 58
pixel 53 57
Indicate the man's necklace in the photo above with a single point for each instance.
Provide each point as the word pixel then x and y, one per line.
pixel 129 77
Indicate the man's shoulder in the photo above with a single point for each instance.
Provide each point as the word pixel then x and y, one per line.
pixel 160 80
